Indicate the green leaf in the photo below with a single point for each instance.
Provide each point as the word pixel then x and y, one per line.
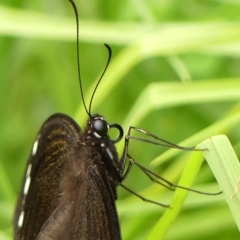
pixel 226 169
pixel 190 172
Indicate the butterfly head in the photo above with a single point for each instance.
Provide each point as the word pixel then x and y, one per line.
pixel 98 128
pixel 96 134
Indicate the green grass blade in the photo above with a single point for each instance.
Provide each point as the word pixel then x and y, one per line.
pixel 226 169
pixel 187 179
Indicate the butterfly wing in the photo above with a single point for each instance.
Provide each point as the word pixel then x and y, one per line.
pixel 53 204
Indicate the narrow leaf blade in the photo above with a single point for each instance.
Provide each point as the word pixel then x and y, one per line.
pixel 226 169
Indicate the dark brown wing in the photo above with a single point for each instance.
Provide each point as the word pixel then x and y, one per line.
pixel 44 173
pixel 87 207
pixel 44 207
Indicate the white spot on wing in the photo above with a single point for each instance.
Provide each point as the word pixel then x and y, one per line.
pixel 27 179
pixel 29 169
pixel 25 191
pixel 35 146
pixel 26 186
pixel 20 220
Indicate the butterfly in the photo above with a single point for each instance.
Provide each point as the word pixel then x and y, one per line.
pixel 69 189
pixel 69 186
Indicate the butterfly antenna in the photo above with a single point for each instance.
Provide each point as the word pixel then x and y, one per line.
pixel 78 57
pixel 108 61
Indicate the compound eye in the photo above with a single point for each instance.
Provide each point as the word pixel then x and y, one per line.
pixel 100 127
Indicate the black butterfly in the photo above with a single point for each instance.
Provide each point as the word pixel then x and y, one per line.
pixel 69 188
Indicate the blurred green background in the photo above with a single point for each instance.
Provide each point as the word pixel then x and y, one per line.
pixel 189 49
